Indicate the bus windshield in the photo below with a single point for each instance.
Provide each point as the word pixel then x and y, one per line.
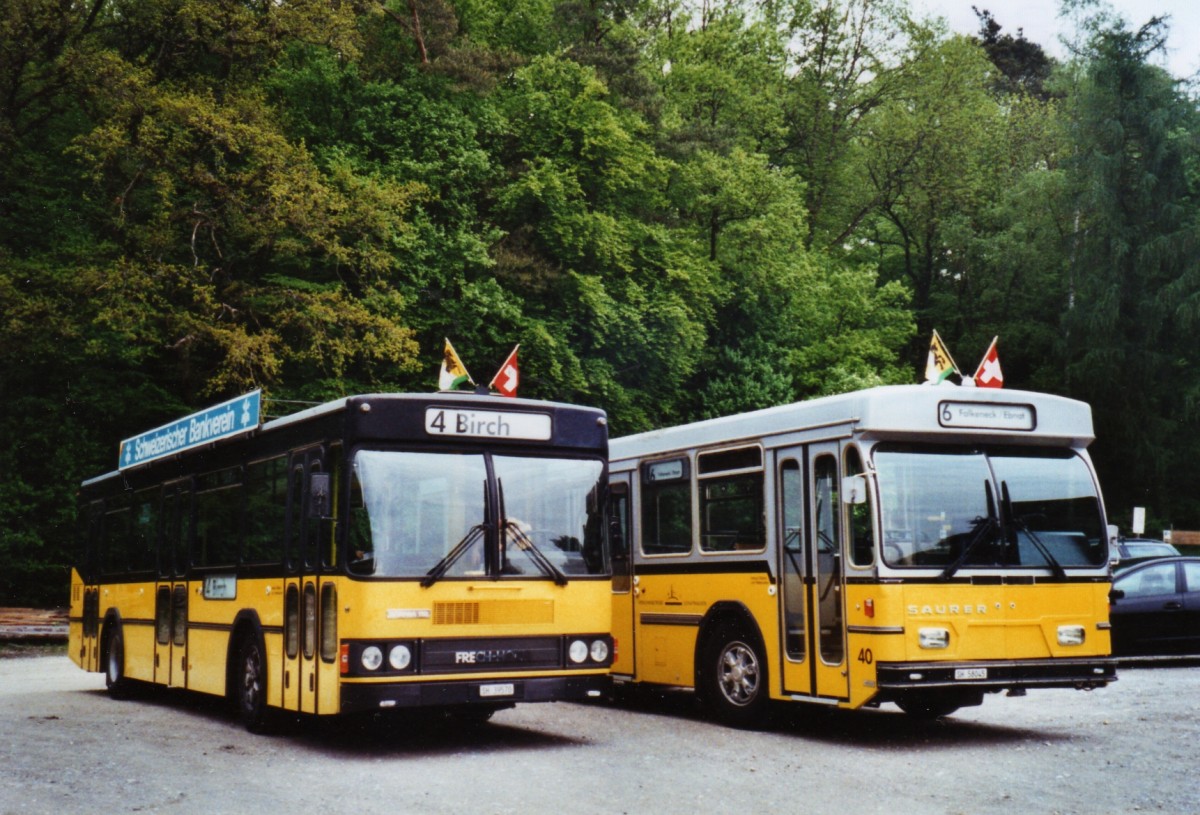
pixel 416 512
pixel 955 508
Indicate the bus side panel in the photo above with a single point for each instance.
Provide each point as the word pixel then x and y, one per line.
pixel 209 625
pixel 77 643
pixel 879 636
pixel 263 597
pixel 136 604
pixel 668 611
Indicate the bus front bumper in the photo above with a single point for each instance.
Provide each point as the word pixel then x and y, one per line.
pixel 993 676
pixel 357 698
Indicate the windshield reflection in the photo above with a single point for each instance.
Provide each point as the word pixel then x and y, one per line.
pixel 1002 508
pixel 428 515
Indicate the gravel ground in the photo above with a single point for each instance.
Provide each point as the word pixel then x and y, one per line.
pixel 1132 747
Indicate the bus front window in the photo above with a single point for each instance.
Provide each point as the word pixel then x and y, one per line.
pixel 1052 510
pixel 408 510
pixel 416 512
pixel 999 508
pixel 553 505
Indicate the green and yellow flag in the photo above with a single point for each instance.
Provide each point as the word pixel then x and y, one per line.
pixel 453 372
pixel 940 364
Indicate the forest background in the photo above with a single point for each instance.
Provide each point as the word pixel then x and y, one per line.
pixel 679 209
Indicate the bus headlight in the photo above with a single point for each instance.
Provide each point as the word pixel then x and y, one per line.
pixel 1070 635
pixel 371 657
pixel 578 651
pixel 400 657
pixel 934 638
pixel 599 651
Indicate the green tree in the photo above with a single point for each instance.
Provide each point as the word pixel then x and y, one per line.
pixel 1134 276
pixel 927 163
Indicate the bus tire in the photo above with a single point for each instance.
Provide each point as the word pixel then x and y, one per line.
pixel 119 685
pixel 927 709
pixel 251 688
pixel 733 675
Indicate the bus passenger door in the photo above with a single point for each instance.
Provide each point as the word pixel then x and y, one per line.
pixel 827 561
pixel 623 589
pixel 797 667
pixel 171 588
pixel 300 617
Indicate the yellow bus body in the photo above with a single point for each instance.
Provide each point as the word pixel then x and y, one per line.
pixel 330 633
pixel 700 569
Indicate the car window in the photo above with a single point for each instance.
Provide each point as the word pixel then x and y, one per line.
pixel 1147 582
pixel 1149 550
pixel 1191 574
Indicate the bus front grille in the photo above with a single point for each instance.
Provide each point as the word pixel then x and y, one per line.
pixel 492 612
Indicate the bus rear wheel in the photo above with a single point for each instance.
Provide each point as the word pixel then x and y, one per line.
pixel 733 677
pixel 252 686
pixel 114 665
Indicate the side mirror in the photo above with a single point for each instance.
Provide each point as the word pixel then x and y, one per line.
pixel 318 495
pixel 854 489
pixel 1116 594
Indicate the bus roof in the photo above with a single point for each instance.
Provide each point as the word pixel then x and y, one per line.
pixel 894 411
pixel 457 399
pixel 463 398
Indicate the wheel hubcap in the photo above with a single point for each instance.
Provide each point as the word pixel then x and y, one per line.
pixel 250 682
pixel 739 674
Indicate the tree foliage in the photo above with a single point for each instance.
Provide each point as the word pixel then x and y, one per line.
pixel 679 208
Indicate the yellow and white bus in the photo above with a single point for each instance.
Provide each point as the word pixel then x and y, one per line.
pixel 918 545
pixel 377 552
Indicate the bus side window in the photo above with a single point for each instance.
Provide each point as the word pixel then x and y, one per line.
pixel 327 524
pixel 295 517
pixel 115 543
pixel 92 521
pixel 359 545
pixel 218 517
pixel 666 497
pixel 145 529
pixel 859 517
pixel 266 511
pixel 618 535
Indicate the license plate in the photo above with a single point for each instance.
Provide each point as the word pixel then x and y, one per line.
pixel 970 673
pixel 504 689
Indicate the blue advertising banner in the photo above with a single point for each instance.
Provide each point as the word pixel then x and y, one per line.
pixel 238 415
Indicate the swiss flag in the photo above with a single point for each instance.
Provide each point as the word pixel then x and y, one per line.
pixel 507 379
pixel 988 375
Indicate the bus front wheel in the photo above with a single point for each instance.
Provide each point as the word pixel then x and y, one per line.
pixel 927 708
pixel 733 677
pixel 252 686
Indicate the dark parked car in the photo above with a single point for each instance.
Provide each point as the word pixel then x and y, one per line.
pixel 1155 607
pixel 1135 550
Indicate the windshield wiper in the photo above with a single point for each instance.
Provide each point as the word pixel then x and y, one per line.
pixel 526 544
pixel 437 572
pixel 982 527
pixel 1019 523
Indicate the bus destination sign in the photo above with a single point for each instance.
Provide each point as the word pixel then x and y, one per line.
pixel 487 424
pixel 238 415
pixel 984 416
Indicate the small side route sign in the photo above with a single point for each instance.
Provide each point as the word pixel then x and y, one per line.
pixel 238 415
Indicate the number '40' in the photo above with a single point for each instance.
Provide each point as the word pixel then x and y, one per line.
pixel 865 656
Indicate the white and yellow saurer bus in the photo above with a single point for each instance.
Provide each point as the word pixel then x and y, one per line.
pixel 377 552
pixel 918 545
